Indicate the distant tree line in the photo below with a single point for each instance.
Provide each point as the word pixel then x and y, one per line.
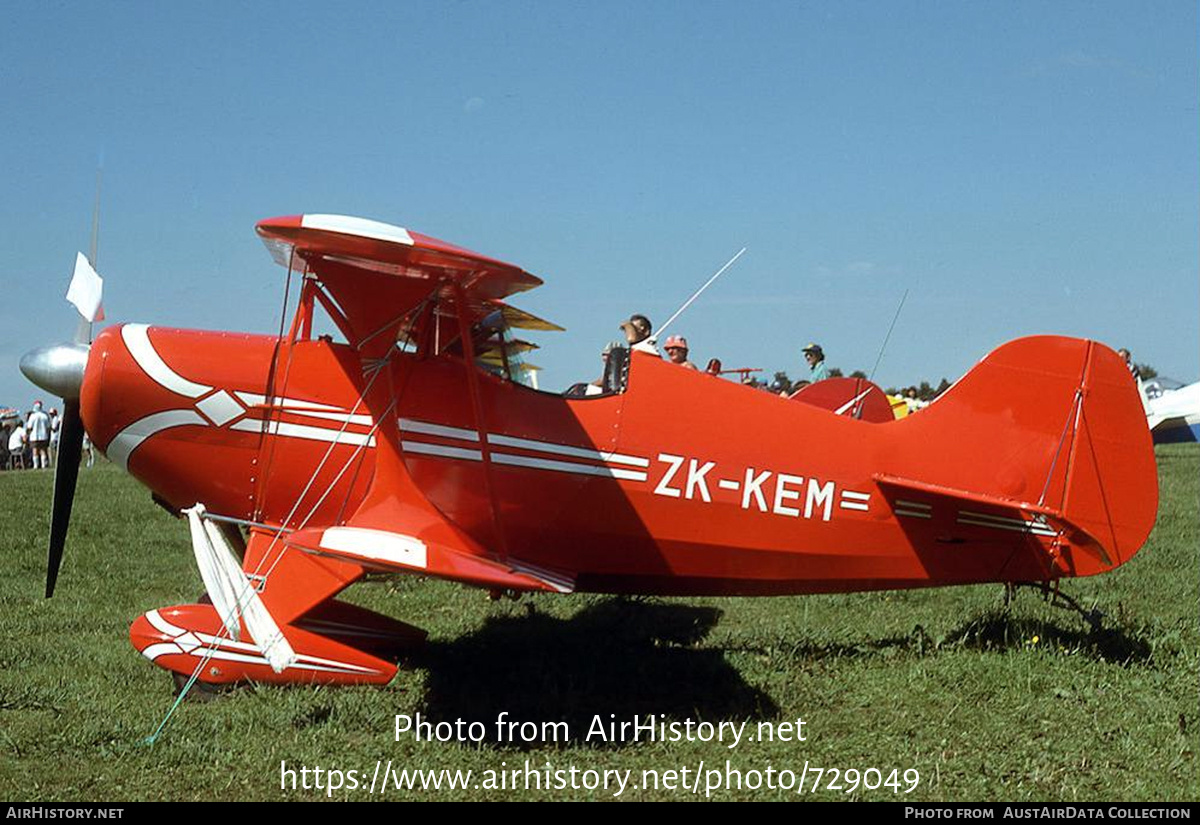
pixel 925 390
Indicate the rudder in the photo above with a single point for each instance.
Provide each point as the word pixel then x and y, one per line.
pixel 1056 424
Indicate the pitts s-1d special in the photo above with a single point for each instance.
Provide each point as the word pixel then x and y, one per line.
pixel 304 464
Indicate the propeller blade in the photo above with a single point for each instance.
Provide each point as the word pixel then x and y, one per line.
pixel 66 472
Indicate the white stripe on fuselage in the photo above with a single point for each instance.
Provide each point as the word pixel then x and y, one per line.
pixel 130 438
pixel 137 341
pixel 304 431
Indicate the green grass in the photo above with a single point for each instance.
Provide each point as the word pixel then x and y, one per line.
pixel 987 702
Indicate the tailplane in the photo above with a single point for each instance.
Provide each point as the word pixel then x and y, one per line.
pixel 1046 434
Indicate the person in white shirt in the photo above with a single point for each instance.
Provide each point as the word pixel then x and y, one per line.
pixel 912 402
pixel 16 446
pixel 38 425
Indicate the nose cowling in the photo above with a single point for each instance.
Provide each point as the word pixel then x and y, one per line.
pixel 57 369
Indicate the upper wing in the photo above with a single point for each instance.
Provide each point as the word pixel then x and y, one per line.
pixel 376 272
pixel 391 250
pixel 383 283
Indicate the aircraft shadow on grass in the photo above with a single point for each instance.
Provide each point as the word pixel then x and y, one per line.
pixel 999 630
pixel 995 630
pixel 618 657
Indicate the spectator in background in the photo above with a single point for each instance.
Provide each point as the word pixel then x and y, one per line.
pixel 38 431
pixel 913 402
pixel 16 446
pixel 815 357
pixel 1129 365
pixel 677 351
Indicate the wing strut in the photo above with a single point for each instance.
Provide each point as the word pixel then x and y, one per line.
pixel 464 328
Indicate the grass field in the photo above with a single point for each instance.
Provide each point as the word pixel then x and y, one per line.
pixel 986 702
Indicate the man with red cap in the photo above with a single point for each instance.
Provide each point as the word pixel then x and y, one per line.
pixel 677 351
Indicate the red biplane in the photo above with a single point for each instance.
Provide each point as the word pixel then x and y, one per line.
pixel 305 464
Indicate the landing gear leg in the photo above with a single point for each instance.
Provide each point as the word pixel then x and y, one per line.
pixel 1051 593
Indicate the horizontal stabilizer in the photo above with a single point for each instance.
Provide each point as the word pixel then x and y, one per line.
pixel 965 495
pixel 974 509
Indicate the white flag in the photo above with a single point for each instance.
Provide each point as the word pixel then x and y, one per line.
pixel 85 290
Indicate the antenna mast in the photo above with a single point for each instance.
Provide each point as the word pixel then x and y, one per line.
pixel 887 337
pixel 696 294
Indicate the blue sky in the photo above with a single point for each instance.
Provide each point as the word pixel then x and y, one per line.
pixel 1018 167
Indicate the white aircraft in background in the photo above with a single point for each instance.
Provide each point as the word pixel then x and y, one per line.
pixel 1172 410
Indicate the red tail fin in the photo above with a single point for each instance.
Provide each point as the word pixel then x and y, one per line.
pixel 1055 426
